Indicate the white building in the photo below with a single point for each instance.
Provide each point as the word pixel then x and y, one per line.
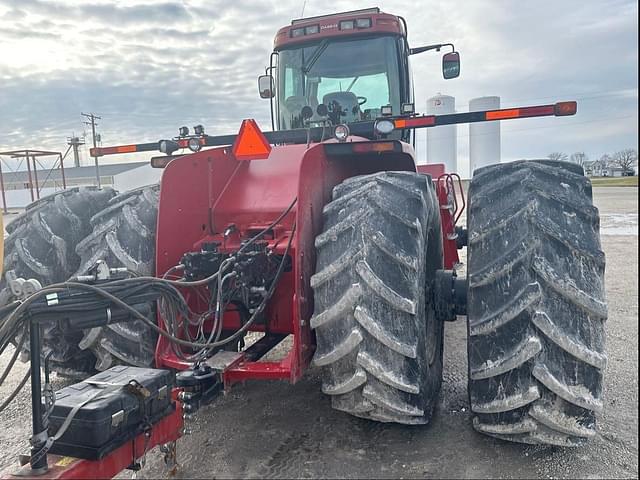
pixel 120 176
pixel 599 168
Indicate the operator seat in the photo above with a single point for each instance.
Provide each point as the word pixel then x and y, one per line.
pixel 291 111
pixel 348 103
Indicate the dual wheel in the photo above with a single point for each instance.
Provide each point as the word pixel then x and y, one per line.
pixel 536 307
pixel 64 235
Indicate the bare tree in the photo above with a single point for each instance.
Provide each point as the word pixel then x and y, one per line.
pixel 558 156
pixel 580 158
pixel 626 159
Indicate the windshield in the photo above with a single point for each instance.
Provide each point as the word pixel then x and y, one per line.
pixel 353 78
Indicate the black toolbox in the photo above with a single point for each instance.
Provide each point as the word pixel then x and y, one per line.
pixel 122 403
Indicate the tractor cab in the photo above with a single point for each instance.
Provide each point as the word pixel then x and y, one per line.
pixel 342 68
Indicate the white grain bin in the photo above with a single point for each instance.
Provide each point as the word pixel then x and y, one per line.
pixel 484 137
pixel 442 141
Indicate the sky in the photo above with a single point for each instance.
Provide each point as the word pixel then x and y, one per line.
pixel 147 67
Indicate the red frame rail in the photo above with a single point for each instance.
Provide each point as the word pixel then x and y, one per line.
pixel 450 212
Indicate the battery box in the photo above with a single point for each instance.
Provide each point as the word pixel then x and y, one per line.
pixel 116 405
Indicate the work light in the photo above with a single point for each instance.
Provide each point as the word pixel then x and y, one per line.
pixel 384 126
pixel 341 133
pixel 194 144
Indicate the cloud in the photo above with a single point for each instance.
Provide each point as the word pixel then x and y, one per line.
pixel 109 13
pixel 148 67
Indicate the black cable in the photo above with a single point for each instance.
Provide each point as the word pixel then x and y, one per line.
pixel 8 308
pixel 270 227
pixel 180 341
pixel 263 304
pixel 175 283
pixel 220 270
pixel 64 286
pixel 167 289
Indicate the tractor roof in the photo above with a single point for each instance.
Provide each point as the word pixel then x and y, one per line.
pixel 353 23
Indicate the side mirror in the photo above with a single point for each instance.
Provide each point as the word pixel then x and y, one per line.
pixel 266 86
pixel 450 65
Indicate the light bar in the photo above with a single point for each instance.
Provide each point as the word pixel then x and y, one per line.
pixel 363 11
pixel 361 129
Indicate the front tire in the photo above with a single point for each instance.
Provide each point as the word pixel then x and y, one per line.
pixel 536 305
pixel 378 340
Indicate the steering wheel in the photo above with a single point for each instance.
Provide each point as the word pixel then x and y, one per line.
pixel 361 100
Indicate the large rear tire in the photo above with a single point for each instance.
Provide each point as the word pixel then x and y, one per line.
pixel 378 339
pixel 536 305
pixel 41 245
pixel 123 235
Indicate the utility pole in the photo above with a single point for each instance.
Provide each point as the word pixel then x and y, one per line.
pixel 93 124
pixel 75 142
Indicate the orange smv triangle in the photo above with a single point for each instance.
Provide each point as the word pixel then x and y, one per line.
pixel 251 144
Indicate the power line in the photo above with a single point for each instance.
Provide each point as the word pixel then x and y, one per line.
pixel 93 124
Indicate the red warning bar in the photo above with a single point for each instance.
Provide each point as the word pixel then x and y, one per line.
pixel 559 109
pixel 141 147
pixel 415 122
pixel 98 152
pixel 520 112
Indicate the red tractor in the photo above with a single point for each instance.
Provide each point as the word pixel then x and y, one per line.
pixel 326 233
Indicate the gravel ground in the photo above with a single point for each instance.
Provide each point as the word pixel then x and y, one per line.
pixel 272 429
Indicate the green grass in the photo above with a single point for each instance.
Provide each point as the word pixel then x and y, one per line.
pixel 615 181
